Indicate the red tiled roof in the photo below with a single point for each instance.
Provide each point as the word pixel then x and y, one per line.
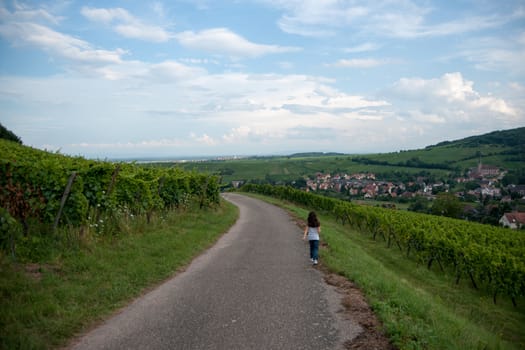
pixel 516 217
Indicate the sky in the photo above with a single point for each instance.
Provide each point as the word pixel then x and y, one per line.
pixel 124 79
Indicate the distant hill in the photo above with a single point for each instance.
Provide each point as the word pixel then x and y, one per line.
pixel 504 149
pixel 314 154
pixel 511 138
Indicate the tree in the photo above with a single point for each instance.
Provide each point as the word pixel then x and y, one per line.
pixel 420 205
pixel 447 204
pixel 299 183
pixel 472 185
pixel 516 177
pixel 8 135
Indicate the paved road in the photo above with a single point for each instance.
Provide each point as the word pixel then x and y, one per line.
pixel 255 289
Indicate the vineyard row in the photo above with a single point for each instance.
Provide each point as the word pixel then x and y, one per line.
pixel 491 257
pixel 55 190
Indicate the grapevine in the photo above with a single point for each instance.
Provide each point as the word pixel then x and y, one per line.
pixel 33 188
pixel 490 257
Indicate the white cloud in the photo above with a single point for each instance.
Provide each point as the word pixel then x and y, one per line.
pixel 80 56
pixel 495 105
pixel 412 25
pixel 128 25
pixel 23 27
pixel 280 112
pixel 24 13
pixel 204 139
pixel 495 54
pixel 425 118
pixel 316 18
pixel 174 99
pixel 133 72
pixel 517 86
pixel 62 45
pixel 169 70
pixel 359 63
pixel 223 41
pixel 453 89
pixel 106 15
pixel 399 19
pixel 161 143
pixel 449 105
pixel 365 47
pixel 143 32
pixel 237 134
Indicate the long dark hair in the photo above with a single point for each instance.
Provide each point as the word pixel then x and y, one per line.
pixel 312 220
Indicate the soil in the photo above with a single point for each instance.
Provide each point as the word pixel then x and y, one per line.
pixel 34 271
pixel 357 309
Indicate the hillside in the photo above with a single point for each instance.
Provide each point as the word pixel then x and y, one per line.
pixel 503 149
pixel 512 137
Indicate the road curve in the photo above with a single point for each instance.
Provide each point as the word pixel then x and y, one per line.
pixel 254 289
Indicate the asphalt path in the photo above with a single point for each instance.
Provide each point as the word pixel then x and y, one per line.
pixel 254 289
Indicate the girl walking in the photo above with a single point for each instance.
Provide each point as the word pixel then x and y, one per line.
pixel 312 230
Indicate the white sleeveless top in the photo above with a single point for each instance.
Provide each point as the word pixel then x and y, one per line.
pixel 313 233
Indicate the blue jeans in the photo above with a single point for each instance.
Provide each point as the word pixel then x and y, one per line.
pixel 314 249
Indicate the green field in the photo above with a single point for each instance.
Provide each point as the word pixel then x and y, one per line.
pixel 286 169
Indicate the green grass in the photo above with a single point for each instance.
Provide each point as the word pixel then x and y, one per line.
pixel 288 169
pixel 78 287
pixel 419 308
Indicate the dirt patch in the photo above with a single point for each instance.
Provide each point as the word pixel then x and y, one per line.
pixel 356 308
pixel 35 271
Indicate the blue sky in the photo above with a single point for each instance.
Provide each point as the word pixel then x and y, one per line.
pixel 108 79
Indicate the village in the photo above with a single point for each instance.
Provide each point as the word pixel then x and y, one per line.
pixel 481 184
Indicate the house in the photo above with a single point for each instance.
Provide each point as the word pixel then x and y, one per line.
pixel 370 190
pixel 519 189
pixel 490 191
pixel 506 199
pixel 311 185
pixel 408 194
pixel 514 220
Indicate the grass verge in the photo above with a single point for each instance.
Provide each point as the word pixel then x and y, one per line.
pixel 44 304
pixel 419 308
